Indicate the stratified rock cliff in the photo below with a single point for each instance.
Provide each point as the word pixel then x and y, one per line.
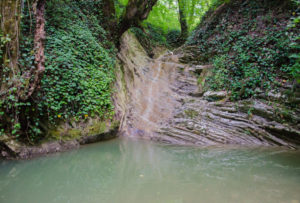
pixel 161 99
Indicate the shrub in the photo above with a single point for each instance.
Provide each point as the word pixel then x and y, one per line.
pixel 79 70
pixel 250 46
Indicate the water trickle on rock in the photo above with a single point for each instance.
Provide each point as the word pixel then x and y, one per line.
pixel 160 99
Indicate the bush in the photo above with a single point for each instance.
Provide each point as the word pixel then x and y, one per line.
pixel 79 70
pixel 250 46
pixel 172 37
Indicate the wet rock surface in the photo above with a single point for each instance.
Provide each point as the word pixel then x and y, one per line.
pixel 163 100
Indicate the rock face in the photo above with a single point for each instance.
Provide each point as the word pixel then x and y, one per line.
pixel 163 100
pixel 145 98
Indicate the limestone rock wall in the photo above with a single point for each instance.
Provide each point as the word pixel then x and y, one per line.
pixel 163 100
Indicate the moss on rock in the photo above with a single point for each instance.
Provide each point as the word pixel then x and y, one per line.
pixel 93 126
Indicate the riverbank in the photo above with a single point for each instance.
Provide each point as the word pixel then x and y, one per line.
pixel 16 150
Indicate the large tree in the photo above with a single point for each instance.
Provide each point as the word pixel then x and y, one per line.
pixel 39 46
pixel 18 84
pixel 183 20
pixel 25 81
pixel 136 11
pixel 10 28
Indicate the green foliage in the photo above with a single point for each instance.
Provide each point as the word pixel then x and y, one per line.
pixel 120 6
pixel 295 69
pixel 153 36
pixel 150 37
pixel 172 37
pixel 162 25
pixel 252 65
pixel 165 14
pixel 250 48
pixel 3 41
pixel 293 26
pixel 79 70
pixel 10 106
pixel 219 73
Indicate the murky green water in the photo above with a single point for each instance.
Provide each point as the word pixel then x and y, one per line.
pixel 131 171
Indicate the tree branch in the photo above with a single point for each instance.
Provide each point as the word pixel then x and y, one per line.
pixel 136 11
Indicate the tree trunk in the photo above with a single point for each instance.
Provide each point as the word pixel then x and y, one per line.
pixel 183 21
pixel 136 11
pixel 10 72
pixel 39 47
pixel 10 27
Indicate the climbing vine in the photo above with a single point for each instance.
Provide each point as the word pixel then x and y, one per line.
pixel 251 48
pixel 79 71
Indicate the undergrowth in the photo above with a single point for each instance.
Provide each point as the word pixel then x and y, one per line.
pixel 151 36
pixel 80 60
pixel 251 47
pixel 79 70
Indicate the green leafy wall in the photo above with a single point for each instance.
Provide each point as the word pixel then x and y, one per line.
pixel 80 61
pixel 250 45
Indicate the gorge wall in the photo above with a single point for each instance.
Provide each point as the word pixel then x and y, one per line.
pixel 162 99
